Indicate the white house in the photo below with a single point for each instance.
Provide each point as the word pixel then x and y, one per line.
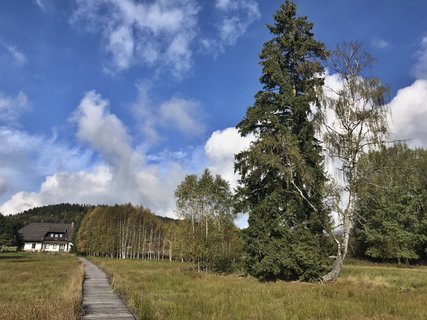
pixel 48 237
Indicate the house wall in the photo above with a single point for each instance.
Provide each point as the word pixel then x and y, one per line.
pixel 56 248
pixel 28 246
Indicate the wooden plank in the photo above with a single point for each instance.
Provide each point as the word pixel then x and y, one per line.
pixel 99 301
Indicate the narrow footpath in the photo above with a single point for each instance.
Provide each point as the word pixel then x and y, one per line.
pixel 99 301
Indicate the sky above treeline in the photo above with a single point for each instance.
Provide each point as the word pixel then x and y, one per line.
pixel 115 101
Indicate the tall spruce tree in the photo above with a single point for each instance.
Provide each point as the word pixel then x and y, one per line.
pixel 282 176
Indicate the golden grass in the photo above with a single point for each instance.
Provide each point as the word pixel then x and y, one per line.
pixel 163 290
pixel 40 286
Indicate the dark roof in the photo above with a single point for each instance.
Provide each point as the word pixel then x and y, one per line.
pixel 37 231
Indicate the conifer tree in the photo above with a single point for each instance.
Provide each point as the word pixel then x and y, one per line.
pixel 282 176
pixel 391 205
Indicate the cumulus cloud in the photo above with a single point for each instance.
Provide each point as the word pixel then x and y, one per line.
pixel 11 108
pixel 151 33
pixel 238 15
pixel 409 114
pixel 132 180
pixel 161 34
pixel 220 150
pixel 234 19
pixel 409 106
pixel 101 129
pixel 77 187
pixel 119 175
pixel 177 113
pixel 25 160
pixel 182 114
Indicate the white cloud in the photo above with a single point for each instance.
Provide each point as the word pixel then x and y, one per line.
pixel 121 46
pixel 238 15
pixel 17 55
pixel 182 115
pixel 162 34
pixel 420 68
pixel 11 108
pixel 224 4
pixel 78 187
pixel 103 131
pixel 44 5
pixel 158 33
pixel 120 175
pixel 409 106
pixel 25 160
pixel 379 43
pixel 220 150
pixel 409 114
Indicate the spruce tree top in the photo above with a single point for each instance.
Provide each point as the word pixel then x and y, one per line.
pixel 291 72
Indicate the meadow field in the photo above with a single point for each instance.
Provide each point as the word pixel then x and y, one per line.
pixel 164 290
pixel 40 286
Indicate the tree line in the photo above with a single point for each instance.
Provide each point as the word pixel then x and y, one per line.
pixel 205 235
pixel 125 231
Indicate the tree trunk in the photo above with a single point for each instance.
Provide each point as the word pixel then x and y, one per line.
pixel 342 243
pixel 335 272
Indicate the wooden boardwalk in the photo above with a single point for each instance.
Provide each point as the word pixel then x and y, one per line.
pixel 99 301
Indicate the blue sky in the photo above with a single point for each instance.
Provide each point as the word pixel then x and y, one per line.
pixel 114 101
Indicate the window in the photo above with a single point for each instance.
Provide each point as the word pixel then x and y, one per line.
pixel 54 245
pixel 61 235
pixel 33 245
pixel 47 246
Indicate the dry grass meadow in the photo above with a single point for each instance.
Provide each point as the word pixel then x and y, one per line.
pixel 40 286
pixel 163 290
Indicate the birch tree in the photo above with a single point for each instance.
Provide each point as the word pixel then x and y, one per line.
pixel 355 123
pixel 205 205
